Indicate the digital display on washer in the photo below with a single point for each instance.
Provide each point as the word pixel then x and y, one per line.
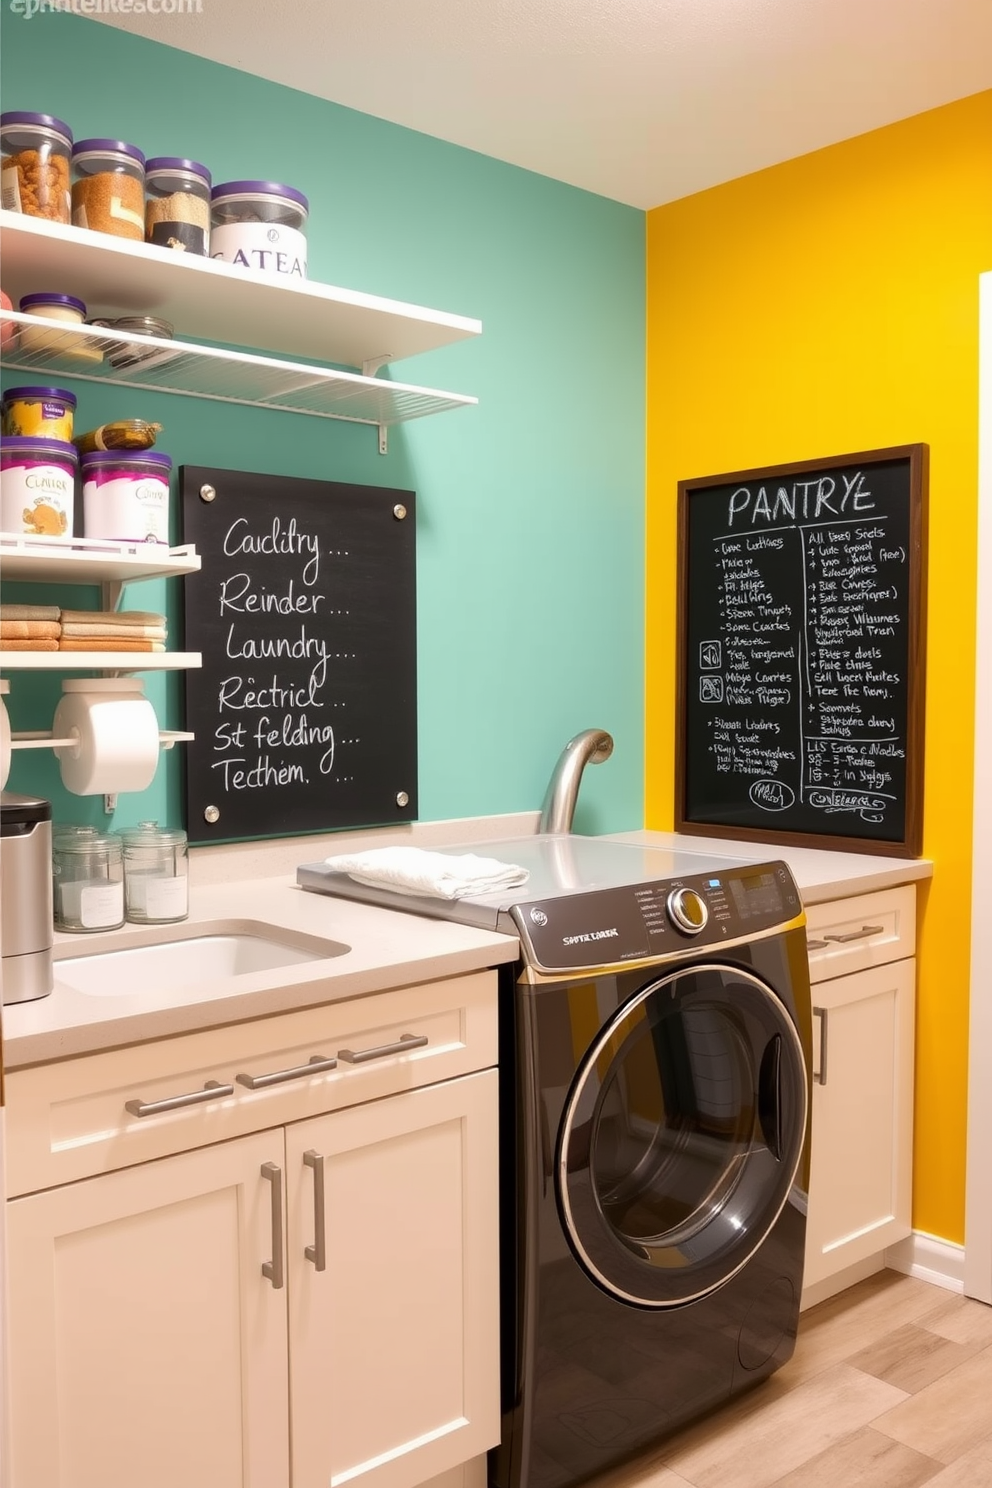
pixel 756 895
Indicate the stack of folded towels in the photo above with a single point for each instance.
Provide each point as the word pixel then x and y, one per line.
pixel 49 628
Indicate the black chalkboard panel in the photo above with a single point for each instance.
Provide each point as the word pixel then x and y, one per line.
pixel 801 652
pixel 305 709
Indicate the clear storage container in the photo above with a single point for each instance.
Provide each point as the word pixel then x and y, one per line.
pixel 155 874
pixel 108 188
pixel 87 879
pixel 35 151
pixel 177 204
pixel 260 225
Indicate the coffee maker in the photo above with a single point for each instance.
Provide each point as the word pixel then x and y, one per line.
pixel 25 897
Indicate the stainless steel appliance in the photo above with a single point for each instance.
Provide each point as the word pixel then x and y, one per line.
pixel 654 1064
pixel 25 897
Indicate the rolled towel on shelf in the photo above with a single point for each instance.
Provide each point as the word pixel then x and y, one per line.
pixel 429 875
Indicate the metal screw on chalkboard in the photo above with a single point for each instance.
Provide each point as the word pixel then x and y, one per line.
pixel 399 512
pixel 207 493
pixel 211 814
pixel 402 799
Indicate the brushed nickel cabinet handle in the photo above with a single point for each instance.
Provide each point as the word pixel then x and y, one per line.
pixel 404 1042
pixel 816 945
pixel 821 1076
pixel 861 934
pixel 316 1065
pixel 317 1252
pixel 213 1090
pixel 275 1269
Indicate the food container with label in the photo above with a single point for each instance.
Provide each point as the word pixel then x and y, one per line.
pixel 127 353
pixel 155 874
pixel 37 485
pixel 38 412
pixel 177 204
pixel 87 879
pixel 35 151
pixel 260 225
pixel 126 495
pixel 47 305
pixel 108 188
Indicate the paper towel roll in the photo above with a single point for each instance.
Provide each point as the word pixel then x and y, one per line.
pixel 114 732
pixel 4 735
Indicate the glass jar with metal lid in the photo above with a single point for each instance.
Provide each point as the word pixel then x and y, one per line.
pixel 177 204
pixel 108 188
pixel 87 879
pixel 34 176
pixel 155 874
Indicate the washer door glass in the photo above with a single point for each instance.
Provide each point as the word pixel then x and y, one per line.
pixel 681 1135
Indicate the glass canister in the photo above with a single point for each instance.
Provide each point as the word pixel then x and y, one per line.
pixel 260 225
pixel 108 188
pixel 35 151
pixel 87 879
pixel 177 204
pixel 155 874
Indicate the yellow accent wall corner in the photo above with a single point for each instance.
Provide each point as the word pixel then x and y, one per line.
pixel 825 305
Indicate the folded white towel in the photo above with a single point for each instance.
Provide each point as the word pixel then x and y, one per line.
pixel 432 875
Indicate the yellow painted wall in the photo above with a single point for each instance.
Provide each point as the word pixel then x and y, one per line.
pixel 825 305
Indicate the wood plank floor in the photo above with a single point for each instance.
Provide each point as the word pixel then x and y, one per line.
pixel 890 1387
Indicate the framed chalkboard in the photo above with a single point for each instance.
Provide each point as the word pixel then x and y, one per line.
pixel 801 605
pixel 305 709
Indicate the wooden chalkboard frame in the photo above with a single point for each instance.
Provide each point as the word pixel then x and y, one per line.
pixel 909 843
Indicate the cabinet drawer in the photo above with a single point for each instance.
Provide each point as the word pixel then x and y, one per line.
pixel 866 930
pixel 90 1115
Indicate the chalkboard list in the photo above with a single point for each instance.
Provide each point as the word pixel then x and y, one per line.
pixel 305 708
pixel 800 655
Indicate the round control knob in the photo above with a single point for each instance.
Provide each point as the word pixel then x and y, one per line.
pixel 687 911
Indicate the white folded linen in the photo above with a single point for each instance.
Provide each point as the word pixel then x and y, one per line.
pixel 432 875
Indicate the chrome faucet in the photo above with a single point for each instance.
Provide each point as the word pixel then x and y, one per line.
pixel 591 747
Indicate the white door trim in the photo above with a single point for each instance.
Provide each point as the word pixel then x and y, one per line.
pixel 978 1215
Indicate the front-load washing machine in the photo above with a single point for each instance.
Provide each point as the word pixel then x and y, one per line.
pixel 654 1080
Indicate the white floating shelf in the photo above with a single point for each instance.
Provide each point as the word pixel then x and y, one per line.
pixel 41 560
pixel 99 661
pixel 213 301
pixel 225 376
pixel 166 738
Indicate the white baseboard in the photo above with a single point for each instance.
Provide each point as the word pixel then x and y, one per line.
pixel 924 1256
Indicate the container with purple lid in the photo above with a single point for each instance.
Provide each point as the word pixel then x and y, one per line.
pixel 38 412
pixel 177 204
pixel 48 305
pixel 37 485
pixel 126 495
pixel 108 187
pixel 36 150
pixel 260 225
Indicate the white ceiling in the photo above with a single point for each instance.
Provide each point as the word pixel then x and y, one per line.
pixel 644 101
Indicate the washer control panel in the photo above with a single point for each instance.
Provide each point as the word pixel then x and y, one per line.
pixel 659 917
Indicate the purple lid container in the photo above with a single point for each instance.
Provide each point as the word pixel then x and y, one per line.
pixel 43 121
pixel 104 147
pixel 104 459
pixel 24 444
pixel 61 394
pixel 259 188
pixel 171 163
pixel 46 297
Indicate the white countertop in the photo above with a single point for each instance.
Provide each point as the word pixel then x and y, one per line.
pixel 384 949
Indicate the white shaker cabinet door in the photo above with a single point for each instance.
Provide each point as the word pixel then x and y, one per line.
pixel 860 1191
pixel 393 1286
pixel 146 1346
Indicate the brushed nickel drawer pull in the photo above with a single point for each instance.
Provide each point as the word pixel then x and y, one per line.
pixel 316 1065
pixel 404 1042
pixel 816 945
pixel 317 1252
pixel 213 1090
pixel 861 934
pixel 274 1269
pixel 821 1075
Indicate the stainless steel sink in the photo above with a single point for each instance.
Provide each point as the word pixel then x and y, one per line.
pixel 200 953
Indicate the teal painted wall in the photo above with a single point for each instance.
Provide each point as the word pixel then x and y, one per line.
pixel 530 507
